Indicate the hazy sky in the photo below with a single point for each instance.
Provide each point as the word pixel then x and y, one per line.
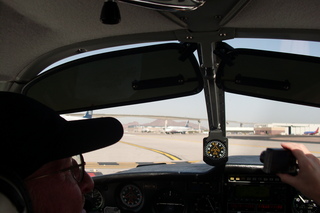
pixel 238 108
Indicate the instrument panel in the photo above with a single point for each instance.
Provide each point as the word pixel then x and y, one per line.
pixel 160 196
pixel 231 189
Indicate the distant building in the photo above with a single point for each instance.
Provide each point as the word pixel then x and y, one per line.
pixel 145 129
pixel 284 128
pixel 240 130
pixel 269 131
pixel 274 129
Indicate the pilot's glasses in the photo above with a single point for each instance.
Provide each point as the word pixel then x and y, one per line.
pixel 77 169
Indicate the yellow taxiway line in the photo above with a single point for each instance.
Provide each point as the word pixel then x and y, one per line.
pixel 171 157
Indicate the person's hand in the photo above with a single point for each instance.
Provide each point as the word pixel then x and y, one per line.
pixel 307 181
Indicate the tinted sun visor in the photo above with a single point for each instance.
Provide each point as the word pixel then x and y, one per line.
pixel 270 75
pixel 119 78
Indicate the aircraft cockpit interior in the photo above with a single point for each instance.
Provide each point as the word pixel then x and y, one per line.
pixel 207 93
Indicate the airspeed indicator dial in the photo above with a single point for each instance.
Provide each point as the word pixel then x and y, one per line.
pixel 131 196
pixel 215 150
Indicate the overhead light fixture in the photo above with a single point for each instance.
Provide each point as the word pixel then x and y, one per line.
pixel 168 5
pixel 110 13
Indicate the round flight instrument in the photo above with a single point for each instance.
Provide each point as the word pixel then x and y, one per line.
pixel 215 149
pixel 94 200
pixel 131 196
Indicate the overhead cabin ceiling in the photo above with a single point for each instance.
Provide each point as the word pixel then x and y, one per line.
pixel 35 33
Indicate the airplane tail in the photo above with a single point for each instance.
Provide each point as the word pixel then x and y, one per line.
pixel 317 130
pixel 88 114
pixel 187 124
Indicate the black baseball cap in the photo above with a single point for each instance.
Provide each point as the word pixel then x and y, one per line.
pixel 32 134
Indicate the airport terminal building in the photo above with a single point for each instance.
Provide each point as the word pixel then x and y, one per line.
pixel 284 129
pixel 275 129
pixel 255 129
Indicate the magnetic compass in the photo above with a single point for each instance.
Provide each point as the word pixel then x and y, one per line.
pixel 215 150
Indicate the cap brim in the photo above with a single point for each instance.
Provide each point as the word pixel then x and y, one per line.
pixel 83 136
pixel 33 134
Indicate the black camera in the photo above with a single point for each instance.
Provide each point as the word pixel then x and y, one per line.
pixel 277 160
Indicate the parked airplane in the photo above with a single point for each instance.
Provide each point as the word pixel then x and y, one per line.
pixel 178 129
pixel 71 117
pixel 88 114
pixel 312 132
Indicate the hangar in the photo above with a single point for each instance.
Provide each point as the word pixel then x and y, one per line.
pixel 284 128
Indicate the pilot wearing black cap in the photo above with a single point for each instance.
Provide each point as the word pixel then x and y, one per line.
pixel 37 147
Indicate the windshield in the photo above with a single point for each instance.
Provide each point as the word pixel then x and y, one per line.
pixel 172 131
pixel 168 131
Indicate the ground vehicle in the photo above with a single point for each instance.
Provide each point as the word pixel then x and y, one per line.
pixel 53 31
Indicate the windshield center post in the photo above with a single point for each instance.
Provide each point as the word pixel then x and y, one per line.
pixel 215 146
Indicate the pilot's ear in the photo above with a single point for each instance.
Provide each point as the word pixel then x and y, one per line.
pixel 13 195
